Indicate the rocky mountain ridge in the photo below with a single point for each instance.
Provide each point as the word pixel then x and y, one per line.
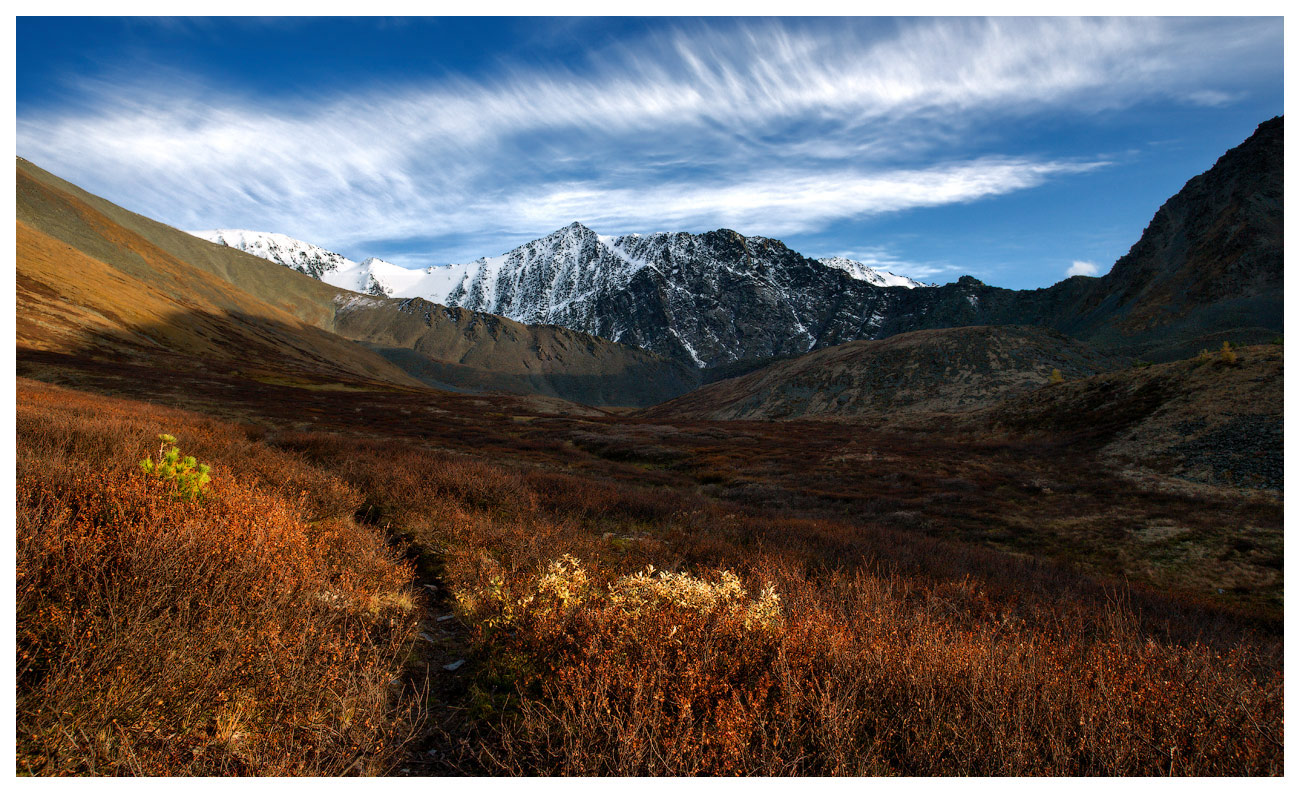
pixel 1207 268
pixel 610 287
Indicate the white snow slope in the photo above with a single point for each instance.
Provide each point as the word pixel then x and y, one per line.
pixel 372 276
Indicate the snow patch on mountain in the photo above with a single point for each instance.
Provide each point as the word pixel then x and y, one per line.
pixel 296 254
pixel 862 272
pixel 372 276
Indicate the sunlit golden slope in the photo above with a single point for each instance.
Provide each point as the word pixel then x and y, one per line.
pixel 139 300
pixel 398 340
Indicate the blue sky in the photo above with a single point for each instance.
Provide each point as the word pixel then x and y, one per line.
pixel 1015 150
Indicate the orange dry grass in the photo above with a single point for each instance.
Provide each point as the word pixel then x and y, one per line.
pixel 857 677
pixel 224 636
pixel 892 653
pixel 877 650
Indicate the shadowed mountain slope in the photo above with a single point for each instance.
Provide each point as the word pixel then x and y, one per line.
pixel 1212 418
pixel 1210 262
pixel 947 370
pixel 467 350
pixel 1207 269
pixel 74 240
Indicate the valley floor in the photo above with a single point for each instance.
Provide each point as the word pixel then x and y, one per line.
pixel 394 580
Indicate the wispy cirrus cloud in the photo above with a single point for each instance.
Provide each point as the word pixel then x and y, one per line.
pixel 769 127
pixel 786 202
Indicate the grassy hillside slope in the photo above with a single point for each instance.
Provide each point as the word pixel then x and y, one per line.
pixel 457 350
pixel 948 370
pixel 86 285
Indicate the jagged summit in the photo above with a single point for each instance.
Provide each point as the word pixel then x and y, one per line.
pixel 869 274
pixel 709 298
pixel 324 265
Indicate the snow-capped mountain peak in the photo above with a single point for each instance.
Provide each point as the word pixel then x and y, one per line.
pixel 709 298
pixel 862 272
pixel 372 276
pixel 295 254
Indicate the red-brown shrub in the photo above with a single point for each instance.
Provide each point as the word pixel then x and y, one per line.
pixel 214 637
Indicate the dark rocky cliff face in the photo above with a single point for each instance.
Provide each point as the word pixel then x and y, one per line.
pixel 1209 262
pixel 1208 268
pixel 720 297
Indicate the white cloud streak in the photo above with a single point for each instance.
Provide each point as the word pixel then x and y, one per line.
pixel 786 202
pixel 767 127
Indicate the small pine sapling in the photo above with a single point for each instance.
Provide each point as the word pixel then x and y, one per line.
pixel 187 476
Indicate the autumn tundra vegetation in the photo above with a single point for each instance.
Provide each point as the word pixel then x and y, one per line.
pixel 345 595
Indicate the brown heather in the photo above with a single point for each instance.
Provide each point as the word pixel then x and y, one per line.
pixel 231 636
pixel 860 676
pixel 862 669
pixel 617 621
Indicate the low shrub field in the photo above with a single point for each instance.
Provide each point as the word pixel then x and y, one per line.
pixel 297 615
